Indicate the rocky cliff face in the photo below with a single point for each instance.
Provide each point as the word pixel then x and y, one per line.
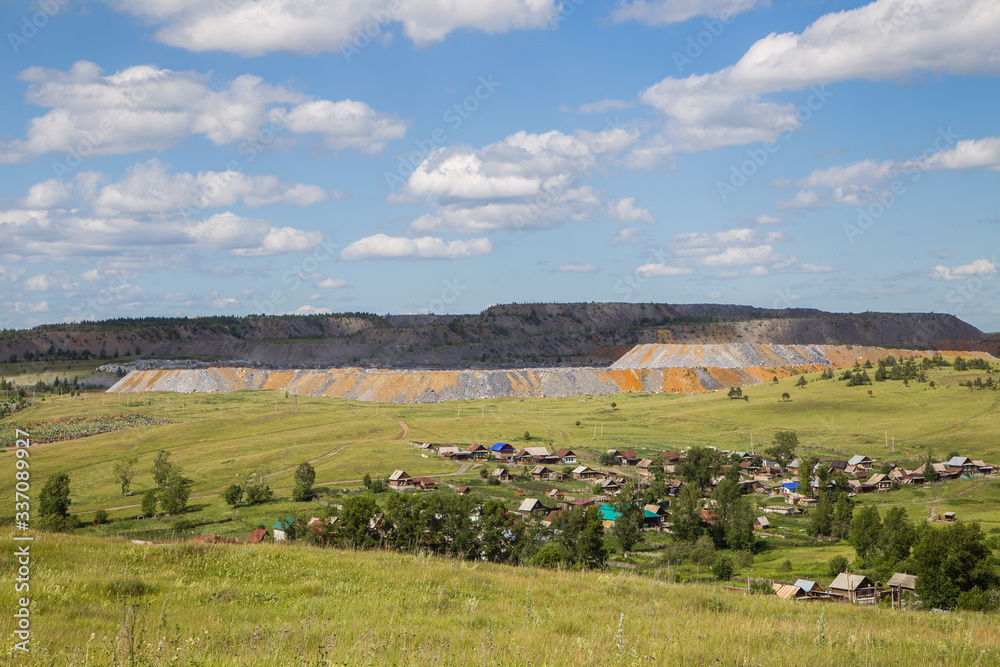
pixel 504 336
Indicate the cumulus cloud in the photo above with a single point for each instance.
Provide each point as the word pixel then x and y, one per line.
pixel 659 270
pixel 627 235
pixel 664 12
pixel 858 183
pixel 526 181
pixel 751 249
pixel 332 283
pixel 578 268
pixel 979 267
pixel 887 40
pixel 314 26
pixel 147 108
pixel 382 246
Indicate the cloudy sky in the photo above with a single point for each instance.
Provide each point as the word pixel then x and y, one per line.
pixel 188 157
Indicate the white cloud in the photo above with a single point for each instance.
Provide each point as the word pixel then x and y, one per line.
pixel 887 40
pixel 10 274
pixel 604 106
pixel 627 235
pixel 227 303
pixel 381 246
pixel 149 188
pixel 802 199
pixel 626 211
pixel 47 194
pixel 578 268
pixel 314 26
pixel 332 283
pixel 664 12
pixel 146 108
pixel 713 295
pixel 768 220
pixel 43 282
pixel 979 267
pixel 815 268
pixel 526 181
pixel 659 270
pixel 857 183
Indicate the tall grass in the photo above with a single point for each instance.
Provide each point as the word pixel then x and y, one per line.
pixel 106 602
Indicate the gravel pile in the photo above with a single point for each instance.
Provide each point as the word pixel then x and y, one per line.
pixel 728 355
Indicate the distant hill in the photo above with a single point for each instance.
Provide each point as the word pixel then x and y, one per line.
pixel 503 336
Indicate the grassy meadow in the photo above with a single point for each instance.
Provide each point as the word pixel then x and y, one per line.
pixel 98 599
pixel 105 601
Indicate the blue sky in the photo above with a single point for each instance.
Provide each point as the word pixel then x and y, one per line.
pixel 182 157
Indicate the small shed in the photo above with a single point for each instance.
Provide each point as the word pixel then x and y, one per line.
pixel 400 480
pixel 281 528
pixel 259 536
pixel 853 587
pixel 761 523
pixel 501 474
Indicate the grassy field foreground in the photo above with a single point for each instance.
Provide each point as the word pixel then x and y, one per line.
pixel 99 601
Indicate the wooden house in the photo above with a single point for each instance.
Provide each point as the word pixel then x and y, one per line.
pixel 853 587
pixel 400 480
pixel 900 584
pixel 259 536
pixel 860 461
pixel 478 452
pixel 281 528
pixel 425 483
pixel 502 450
pixel 584 473
pixel 566 456
pixel 530 506
pixel 501 474
pixel 761 523
pixel 540 473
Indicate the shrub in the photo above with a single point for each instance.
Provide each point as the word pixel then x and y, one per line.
pixel 722 568
pixel 100 517
pixel 761 588
pixel 786 566
pixel 743 558
pixel 836 565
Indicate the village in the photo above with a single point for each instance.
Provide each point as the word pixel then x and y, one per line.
pixel 775 488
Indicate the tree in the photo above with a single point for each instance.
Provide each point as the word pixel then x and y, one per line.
pixel 723 568
pixel 836 565
pixel 176 491
pixel 783 449
pixel 700 466
pixel 785 396
pixel 161 467
pixel 821 517
pixel 950 561
pixel 149 503
pixel 232 494
pixel 305 475
pixel 805 476
pixel 739 527
pixel 802 381
pixel 54 502
pixel 929 473
pixel 590 546
pixel 367 481
pixel 256 489
pixel 866 528
pixel 724 497
pixel 607 459
pixel 629 524
pixel 355 527
pixel 101 516
pixel 501 535
pixel 735 392
pixel 527 436
pixel 686 514
pixel 898 535
pixel 124 470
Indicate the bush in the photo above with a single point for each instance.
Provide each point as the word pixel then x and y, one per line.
pixel 978 600
pixel 492 481
pixel 183 525
pixel 100 517
pixel 302 493
pixel 149 503
pixel 723 568
pixel 550 556
pixel 836 565
pixel 761 588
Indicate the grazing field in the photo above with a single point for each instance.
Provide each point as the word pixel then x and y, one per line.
pixel 104 601
pixel 219 436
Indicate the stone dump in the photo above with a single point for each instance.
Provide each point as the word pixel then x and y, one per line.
pixel 675 369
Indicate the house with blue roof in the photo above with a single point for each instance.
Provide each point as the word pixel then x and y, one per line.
pixel 281 528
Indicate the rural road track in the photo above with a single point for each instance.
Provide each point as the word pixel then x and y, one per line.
pixel 406 430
